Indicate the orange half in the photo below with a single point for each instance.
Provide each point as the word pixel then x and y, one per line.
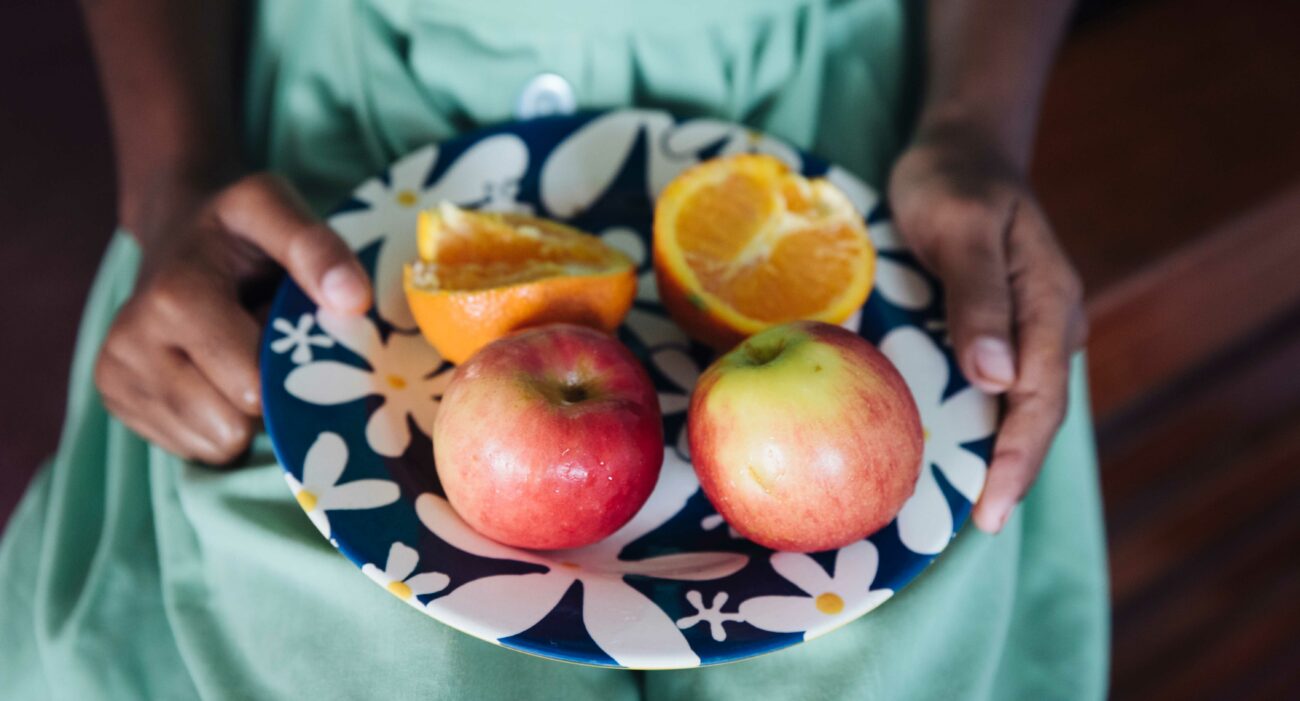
pixel 742 243
pixel 482 275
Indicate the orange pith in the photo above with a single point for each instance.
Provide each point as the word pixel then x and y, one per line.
pixel 481 275
pixel 741 244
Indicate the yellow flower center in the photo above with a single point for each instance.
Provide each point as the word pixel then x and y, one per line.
pixel 406 198
pixel 306 500
pixel 400 590
pixel 830 603
pixel 396 382
pixel 925 433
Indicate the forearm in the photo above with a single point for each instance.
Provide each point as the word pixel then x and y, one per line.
pixel 987 63
pixel 166 71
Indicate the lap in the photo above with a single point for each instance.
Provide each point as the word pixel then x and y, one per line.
pixel 1023 614
pixel 128 573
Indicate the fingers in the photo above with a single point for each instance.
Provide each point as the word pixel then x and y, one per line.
pixel 1048 313
pixel 265 211
pixel 198 405
pixel 979 297
pixel 157 390
pixel 179 364
pixel 1026 434
pixel 197 310
pixel 1014 308
pixel 960 234
pixel 121 389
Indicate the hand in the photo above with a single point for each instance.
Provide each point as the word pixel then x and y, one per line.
pixel 1014 302
pixel 179 363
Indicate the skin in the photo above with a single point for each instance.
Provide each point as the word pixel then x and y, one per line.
pixel 961 200
pixel 208 229
pixel 805 437
pixel 549 438
pixel 179 363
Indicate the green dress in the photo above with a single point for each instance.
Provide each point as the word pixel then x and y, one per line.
pixel 128 573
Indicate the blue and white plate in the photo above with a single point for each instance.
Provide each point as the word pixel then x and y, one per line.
pixel 349 403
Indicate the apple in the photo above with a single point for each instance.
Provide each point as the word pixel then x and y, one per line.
pixel 549 438
pixel 805 437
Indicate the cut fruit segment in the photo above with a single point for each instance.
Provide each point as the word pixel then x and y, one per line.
pixel 742 244
pixel 482 275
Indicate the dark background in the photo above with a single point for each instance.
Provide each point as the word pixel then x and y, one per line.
pixel 1169 159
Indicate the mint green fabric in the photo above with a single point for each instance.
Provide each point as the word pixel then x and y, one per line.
pixel 127 573
pixel 337 91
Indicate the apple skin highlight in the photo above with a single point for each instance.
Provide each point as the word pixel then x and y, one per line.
pixel 805 437
pixel 549 438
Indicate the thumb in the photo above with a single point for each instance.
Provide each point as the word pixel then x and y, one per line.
pixel 265 210
pixel 980 312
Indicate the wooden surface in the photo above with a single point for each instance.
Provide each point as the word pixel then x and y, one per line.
pixel 1181 311
pixel 1163 120
pixel 1169 160
pixel 1202 496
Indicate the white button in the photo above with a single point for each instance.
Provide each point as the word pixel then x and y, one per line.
pixel 546 94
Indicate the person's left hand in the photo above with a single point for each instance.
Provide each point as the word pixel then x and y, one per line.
pixel 1014 302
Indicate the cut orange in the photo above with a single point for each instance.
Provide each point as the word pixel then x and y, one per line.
pixel 481 275
pixel 741 244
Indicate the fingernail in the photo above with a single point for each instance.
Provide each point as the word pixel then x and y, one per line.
pixel 343 289
pixel 993 362
pixel 987 522
pixel 991 520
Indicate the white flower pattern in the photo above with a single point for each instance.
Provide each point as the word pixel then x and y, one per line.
pixel 713 521
pixel 667 342
pixel 299 338
pixel 898 283
pixel 398 575
pixel 713 614
pixel 399 372
pixel 626 625
pixel 830 601
pixel 925 523
pixel 407 377
pixel 630 243
pixel 320 492
pixel 680 369
pixel 486 176
pixel 584 166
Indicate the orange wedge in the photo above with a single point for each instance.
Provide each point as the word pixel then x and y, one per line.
pixel 742 244
pixel 481 275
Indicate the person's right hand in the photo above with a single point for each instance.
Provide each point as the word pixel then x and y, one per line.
pixel 179 363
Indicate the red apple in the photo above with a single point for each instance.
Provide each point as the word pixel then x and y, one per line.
pixel 805 437
pixel 549 438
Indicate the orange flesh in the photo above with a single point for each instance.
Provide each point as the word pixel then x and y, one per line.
pixel 474 251
pixel 746 237
pixel 481 276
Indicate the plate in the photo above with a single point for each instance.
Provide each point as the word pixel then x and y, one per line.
pixel 349 402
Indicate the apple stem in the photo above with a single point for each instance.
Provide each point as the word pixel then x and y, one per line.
pixel 764 354
pixel 572 394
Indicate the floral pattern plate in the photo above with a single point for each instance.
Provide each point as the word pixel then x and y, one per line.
pixel 349 403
